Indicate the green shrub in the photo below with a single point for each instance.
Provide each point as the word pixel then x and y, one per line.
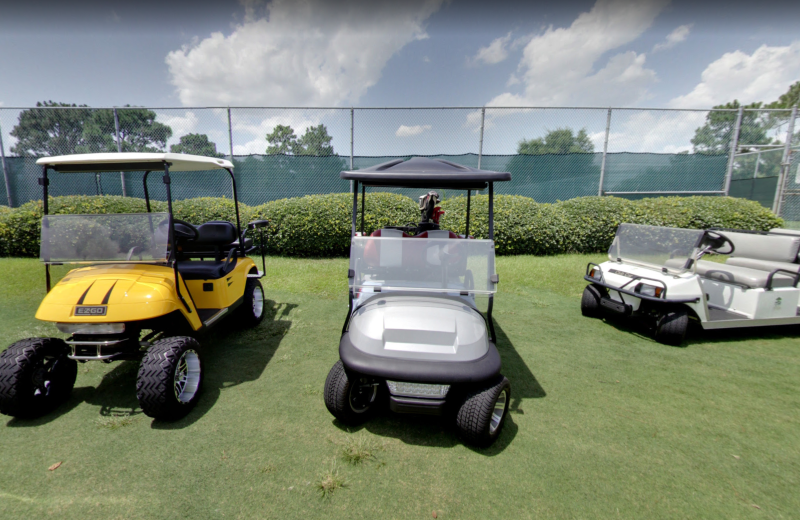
pixel 521 226
pixel 320 225
pixel 594 220
pixel 4 209
pixel 205 209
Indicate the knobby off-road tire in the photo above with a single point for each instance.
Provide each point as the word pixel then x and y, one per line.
pixel 351 400
pixel 35 376
pixel 590 302
pixel 170 378
pixel 671 327
pixel 251 311
pixel 483 413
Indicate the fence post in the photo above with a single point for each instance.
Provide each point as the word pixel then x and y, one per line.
pixel 119 150
pixel 352 125
pixel 5 171
pixel 786 164
pixel 734 145
pixel 480 145
pixel 605 152
pixel 230 135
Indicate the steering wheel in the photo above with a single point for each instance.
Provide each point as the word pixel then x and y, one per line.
pixel 715 240
pixel 183 230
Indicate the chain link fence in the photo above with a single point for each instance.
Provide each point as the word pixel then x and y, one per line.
pixel 552 153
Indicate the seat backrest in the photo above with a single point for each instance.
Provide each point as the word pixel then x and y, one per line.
pixel 216 233
pixel 775 248
pixel 437 233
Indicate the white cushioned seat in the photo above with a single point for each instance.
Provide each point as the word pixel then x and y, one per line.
pixel 774 248
pixel 752 278
pixel 764 265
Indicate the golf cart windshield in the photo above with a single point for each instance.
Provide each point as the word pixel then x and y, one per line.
pixel 653 246
pixel 423 264
pixel 136 237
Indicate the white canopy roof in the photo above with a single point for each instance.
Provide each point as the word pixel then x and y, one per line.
pixel 179 162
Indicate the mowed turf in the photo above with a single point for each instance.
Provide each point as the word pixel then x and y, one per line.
pixel 604 422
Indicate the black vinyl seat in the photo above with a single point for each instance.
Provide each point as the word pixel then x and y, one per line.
pixel 214 239
pixel 205 269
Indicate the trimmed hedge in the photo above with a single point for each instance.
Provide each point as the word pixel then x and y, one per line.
pixel 319 225
pixel 4 209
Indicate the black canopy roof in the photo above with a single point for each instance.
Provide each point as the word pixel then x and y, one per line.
pixel 421 172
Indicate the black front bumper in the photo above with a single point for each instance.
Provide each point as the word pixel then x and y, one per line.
pixel 417 405
pixel 416 371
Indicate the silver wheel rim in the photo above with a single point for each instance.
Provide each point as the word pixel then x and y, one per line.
pixel 258 302
pixel 187 376
pixel 499 411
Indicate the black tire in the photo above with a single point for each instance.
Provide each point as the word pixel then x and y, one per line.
pixel 476 420
pixel 671 327
pixel 170 378
pixel 350 398
pixel 590 302
pixel 35 376
pixel 251 311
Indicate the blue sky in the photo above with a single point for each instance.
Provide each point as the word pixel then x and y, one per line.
pixel 651 53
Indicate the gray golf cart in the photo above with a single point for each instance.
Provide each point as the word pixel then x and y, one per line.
pixel 413 327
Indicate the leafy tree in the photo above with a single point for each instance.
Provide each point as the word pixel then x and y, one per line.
pixel 196 144
pixel 138 131
pixel 714 137
pixel 560 141
pixel 315 141
pixel 789 99
pixel 47 131
pixel 282 140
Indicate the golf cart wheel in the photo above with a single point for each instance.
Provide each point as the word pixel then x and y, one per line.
pixel 251 311
pixel 671 327
pixel 35 376
pixel 350 398
pixel 483 413
pixel 170 378
pixel 590 302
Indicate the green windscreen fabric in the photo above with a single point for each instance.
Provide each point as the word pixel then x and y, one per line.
pixel 261 178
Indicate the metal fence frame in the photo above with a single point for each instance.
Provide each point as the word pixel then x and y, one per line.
pixel 732 154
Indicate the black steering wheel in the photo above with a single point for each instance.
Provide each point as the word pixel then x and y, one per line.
pixel 716 240
pixel 183 230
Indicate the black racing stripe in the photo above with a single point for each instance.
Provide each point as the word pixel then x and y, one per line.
pixel 108 294
pixel 80 302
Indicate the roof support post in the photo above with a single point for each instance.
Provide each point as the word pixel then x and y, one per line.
pixel 469 197
pixel 352 125
pixel 480 145
pixel 732 155
pixel 5 171
pixel 605 153
pixel 491 211
pixel 119 150
pixel 786 164
pixel 355 208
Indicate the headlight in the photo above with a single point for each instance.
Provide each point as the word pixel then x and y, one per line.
pixel 595 273
pixel 91 328
pixel 417 389
pixel 650 290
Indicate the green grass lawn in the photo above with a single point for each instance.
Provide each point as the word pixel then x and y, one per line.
pixel 604 422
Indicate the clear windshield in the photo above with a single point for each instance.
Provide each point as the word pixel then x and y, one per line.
pixel 655 246
pixel 136 237
pixel 423 264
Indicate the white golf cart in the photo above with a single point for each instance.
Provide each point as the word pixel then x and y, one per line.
pixel 658 274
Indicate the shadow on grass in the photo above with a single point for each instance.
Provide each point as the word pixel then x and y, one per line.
pixel 697 335
pixel 232 358
pixel 422 430
pixel 229 358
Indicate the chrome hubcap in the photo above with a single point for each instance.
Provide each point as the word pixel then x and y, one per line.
pixel 187 376
pixel 258 302
pixel 499 411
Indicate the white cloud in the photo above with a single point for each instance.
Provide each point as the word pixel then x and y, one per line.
pixel 558 66
pixel 674 38
pixel 257 129
pixel 303 53
pixel 494 53
pixel 650 131
pixel 408 131
pixel 426 59
pixel 761 76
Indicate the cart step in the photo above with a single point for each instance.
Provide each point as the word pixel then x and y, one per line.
pixel 615 306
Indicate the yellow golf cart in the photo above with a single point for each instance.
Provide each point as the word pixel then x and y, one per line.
pixel 148 285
